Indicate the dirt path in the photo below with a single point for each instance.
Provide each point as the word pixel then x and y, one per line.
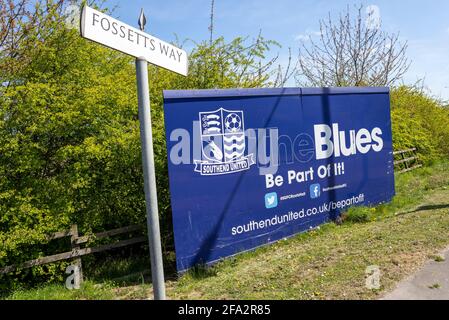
pixel 430 283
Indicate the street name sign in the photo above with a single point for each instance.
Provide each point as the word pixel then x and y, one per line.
pixel 101 28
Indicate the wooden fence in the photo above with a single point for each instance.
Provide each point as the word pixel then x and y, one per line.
pixel 407 160
pixel 76 242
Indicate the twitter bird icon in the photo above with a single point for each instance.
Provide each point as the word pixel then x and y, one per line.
pixel 271 200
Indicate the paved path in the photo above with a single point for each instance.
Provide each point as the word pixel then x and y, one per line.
pixel 430 283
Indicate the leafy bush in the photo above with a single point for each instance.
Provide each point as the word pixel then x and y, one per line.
pixel 419 121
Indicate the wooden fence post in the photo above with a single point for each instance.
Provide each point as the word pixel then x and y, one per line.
pixel 76 247
pixel 405 162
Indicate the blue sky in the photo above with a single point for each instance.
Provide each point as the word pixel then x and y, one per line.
pixel 424 24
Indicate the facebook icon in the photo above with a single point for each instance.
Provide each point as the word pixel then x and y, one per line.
pixel 315 191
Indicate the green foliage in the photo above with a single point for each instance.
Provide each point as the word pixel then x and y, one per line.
pixel 357 215
pixel 419 121
pixel 68 143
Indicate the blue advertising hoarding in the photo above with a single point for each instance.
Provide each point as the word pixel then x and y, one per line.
pixel 248 167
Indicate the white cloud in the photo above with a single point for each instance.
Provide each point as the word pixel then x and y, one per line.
pixel 302 37
pixel 307 35
pixel 373 17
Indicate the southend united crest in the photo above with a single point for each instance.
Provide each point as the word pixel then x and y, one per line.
pixel 223 143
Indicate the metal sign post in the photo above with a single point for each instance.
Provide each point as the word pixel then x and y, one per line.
pixel 149 173
pixel 146 136
pixel 101 28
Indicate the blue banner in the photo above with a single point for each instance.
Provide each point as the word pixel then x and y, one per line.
pixel 248 167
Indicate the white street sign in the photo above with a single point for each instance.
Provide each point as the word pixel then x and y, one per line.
pixel 101 28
